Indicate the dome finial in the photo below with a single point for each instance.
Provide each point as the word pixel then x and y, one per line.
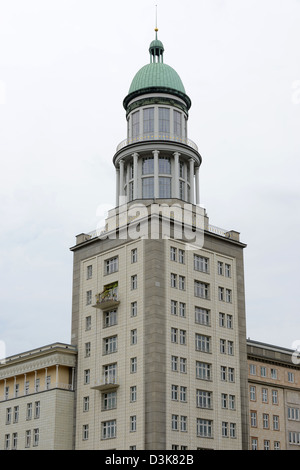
pixel 156 48
pixel 156 28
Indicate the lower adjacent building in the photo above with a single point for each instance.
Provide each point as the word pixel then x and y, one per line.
pixel 274 397
pixel 37 399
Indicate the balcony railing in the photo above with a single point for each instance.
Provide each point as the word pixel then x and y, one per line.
pixel 160 136
pixel 106 382
pixel 108 298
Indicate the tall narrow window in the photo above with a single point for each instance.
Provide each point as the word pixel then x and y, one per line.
pixel 148 117
pixel 164 120
pixel 135 124
pixel 177 124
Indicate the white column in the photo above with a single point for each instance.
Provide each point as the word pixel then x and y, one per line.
pixel 192 181
pixel 121 191
pixel 176 175
pixel 135 176
pixel 197 186
pixel 45 384
pixel 156 182
pixel 117 186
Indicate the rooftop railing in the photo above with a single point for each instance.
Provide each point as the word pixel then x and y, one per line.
pixel 161 136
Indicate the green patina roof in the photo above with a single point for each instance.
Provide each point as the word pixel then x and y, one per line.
pixel 156 75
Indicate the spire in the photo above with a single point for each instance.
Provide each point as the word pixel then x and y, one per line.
pixel 156 48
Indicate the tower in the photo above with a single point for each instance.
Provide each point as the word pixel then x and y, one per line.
pixel 158 314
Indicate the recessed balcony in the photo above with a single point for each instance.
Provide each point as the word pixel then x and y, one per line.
pixel 160 136
pixel 109 298
pixel 107 382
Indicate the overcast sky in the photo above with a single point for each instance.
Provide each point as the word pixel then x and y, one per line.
pixel 65 68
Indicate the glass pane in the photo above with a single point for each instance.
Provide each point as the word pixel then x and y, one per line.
pixel 164 120
pixel 148 120
pixel 164 187
pixel 164 165
pixel 148 188
pixel 177 123
pixel 136 124
pixel 148 166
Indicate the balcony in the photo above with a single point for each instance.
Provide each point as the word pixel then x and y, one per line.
pixel 107 382
pixel 108 298
pixel 161 136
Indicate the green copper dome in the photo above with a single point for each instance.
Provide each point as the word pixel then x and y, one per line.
pixel 157 77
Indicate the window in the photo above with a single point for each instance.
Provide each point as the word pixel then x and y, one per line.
pixel 8 415
pixel 87 348
pixel 29 411
pixel 133 394
pixel 110 373
pixel 293 413
pixel 174 392
pixel 220 268
pixel 182 336
pixel 164 187
pixel 148 166
pixel 265 421
pixel 110 345
pixel 183 366
pixel 264 393
pixel 36 437
pixel 202 316
pixel 253 419
pixel 174 422
pixel 201 289
pixel 134 255
pixel 86 404
pixel 148 188
pixel 203 399
pixel 109 429
pixel 133 365
pixel 173 253
pixel 228 295
pixel 173 307
pixel 181 283
pixel 181 256
pixel 222 346
pixel 37 409
pixel 85 432
pixel 109 400
pixel 227 270
pixel 111 265
pixel 174 335
pixel 164 120
pixel 110 318
pixel 134 282
pixel 14 440
pixel 135 124
pixel 203 370
pixel 173 280
pixel 294 438
pixel 16 414
pixel 88 297
pixel 254 444
pixel 252 369
pixel 221 294
pixel 86 376
pixel 133 336
pixel 133 309
pixel 274 373
pixel 88 323
pixel 201 264
pixel 252 393
pixel 181 190
pixel 27 438
pixel 37 385
pixel 89 272
pixel 177 123
pixel 204 427
pixel 164 166
pixel 275 423
pixel 181 309
pixel 148 117
pixel 291 377
pixel 224 429
pixel 275 397
pixel 174 363
pixel 202 343
pixel 133 423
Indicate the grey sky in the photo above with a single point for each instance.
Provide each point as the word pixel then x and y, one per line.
pixel 65 67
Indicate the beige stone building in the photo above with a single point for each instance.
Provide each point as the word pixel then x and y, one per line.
pixel 274 397
pixel 37 399
pixel 158 296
